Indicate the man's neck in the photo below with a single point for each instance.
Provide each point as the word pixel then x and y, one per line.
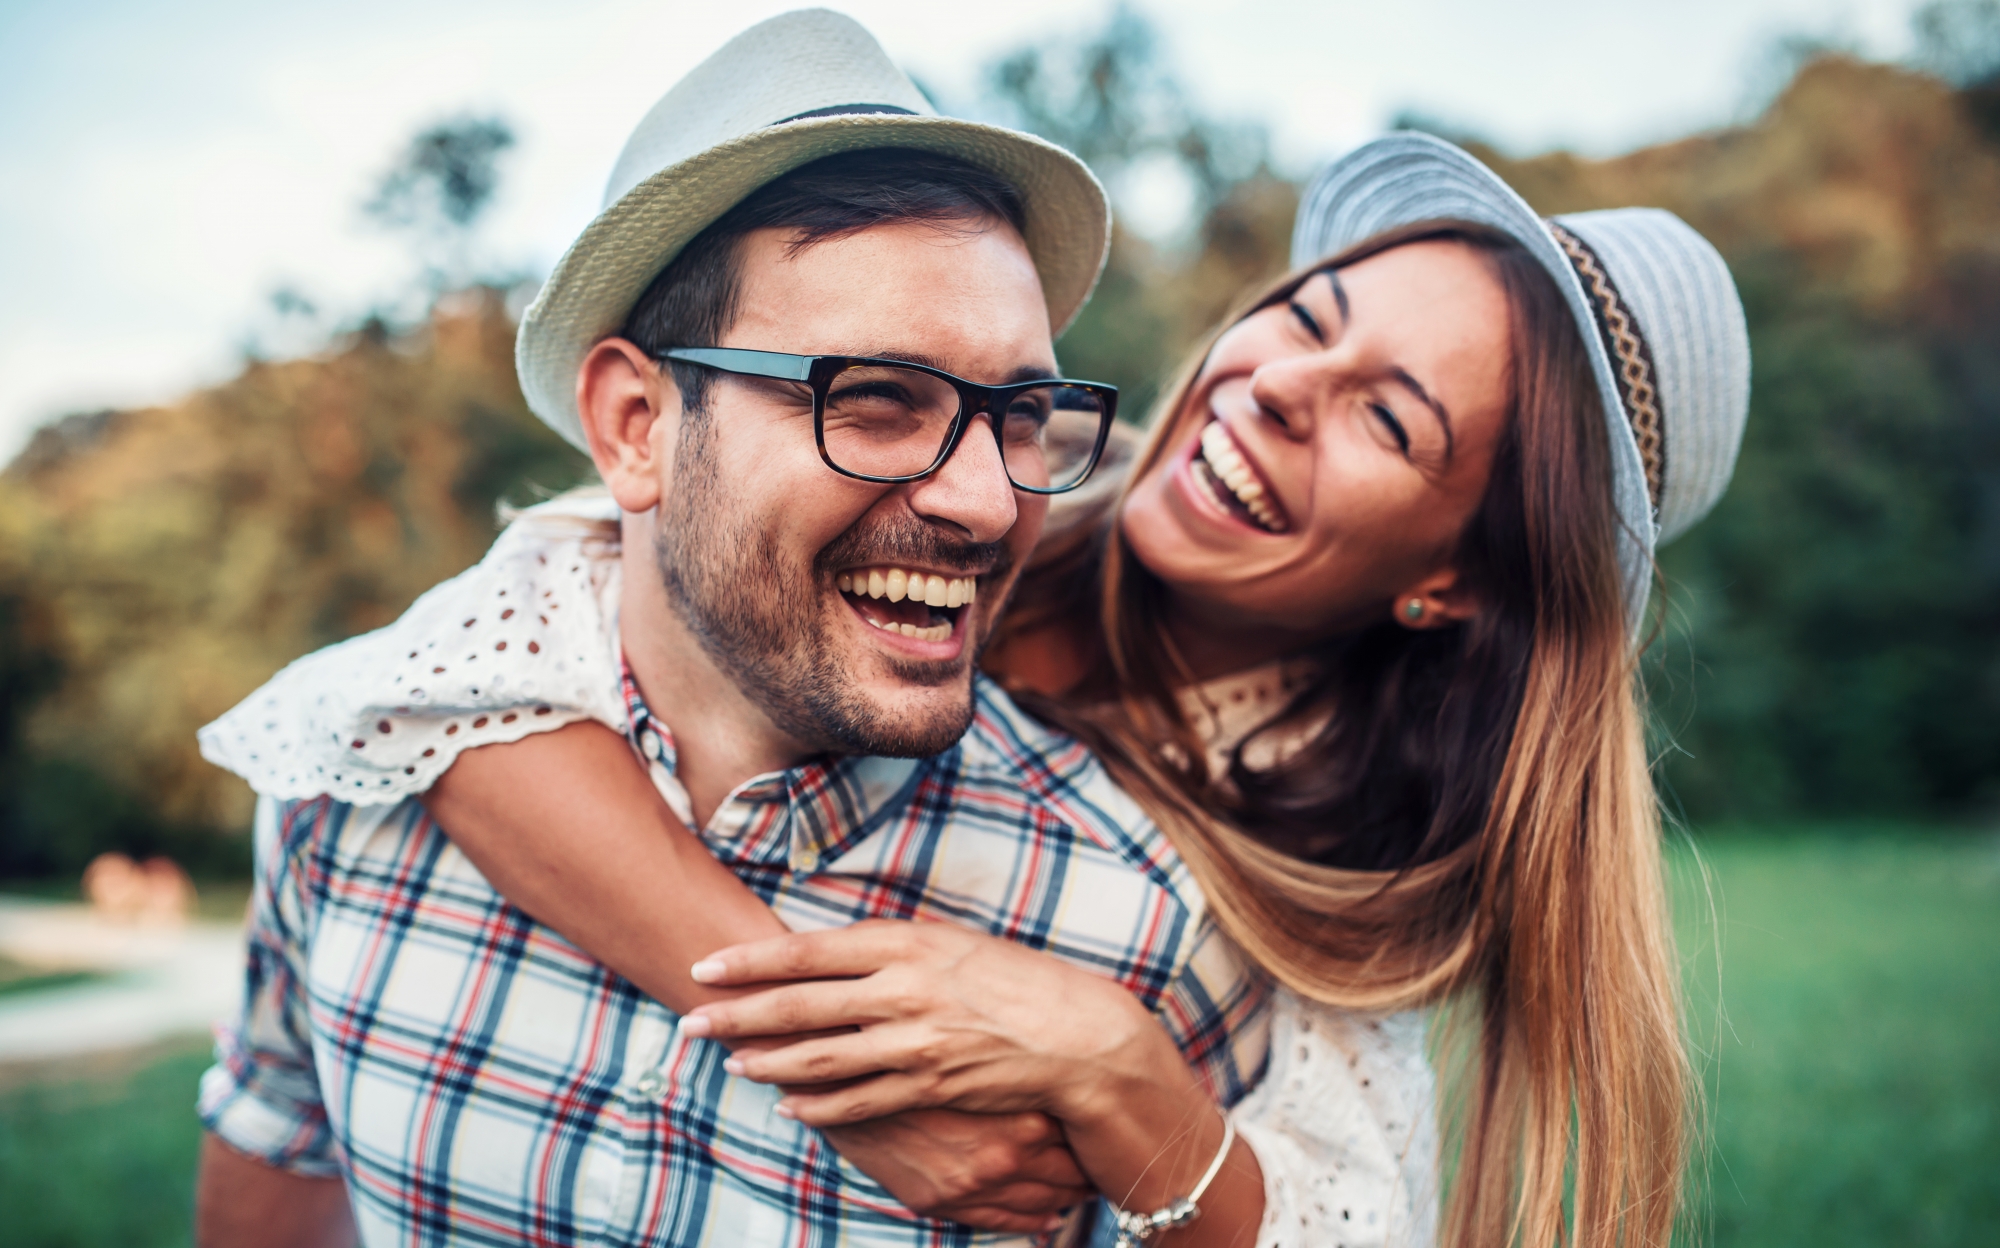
pixel 721 737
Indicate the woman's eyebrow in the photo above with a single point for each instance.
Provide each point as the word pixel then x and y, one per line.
pixel 1339 294
pixel 1401 376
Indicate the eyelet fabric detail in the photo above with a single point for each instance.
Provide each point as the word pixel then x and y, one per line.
pixel 524 641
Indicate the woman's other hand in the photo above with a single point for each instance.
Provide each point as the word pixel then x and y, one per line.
pixel 947 1018
pixel 997 1172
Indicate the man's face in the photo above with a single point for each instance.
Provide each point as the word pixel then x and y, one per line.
pixel 757 536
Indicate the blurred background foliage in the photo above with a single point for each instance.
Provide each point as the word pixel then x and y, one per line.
pixel 1828 644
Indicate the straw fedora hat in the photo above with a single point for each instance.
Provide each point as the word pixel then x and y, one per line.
pixel 783 93
pixel 1653 300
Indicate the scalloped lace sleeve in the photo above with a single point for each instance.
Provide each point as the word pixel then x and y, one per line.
pixel 524 641
pixel 1344 1128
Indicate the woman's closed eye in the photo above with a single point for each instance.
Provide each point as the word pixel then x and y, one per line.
pixel 1382 413
pixel 1307 320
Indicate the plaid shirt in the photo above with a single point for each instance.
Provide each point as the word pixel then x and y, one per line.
pixel 477 1079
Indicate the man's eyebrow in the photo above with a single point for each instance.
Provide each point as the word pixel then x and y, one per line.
pixel 1402 377
pixel 906 357
pixel 1026 372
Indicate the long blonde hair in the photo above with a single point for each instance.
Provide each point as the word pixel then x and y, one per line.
pixel 1486 828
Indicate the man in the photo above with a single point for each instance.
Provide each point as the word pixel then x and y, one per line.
pixel 802 345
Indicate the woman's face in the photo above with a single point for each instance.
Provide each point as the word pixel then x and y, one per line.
pixel 1333 448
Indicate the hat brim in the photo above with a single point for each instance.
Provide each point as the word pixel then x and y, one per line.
pixel 1410 178
pixel 595 284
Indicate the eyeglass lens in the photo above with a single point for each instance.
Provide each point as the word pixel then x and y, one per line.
pixel 882 421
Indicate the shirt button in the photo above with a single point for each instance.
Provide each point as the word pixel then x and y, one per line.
pixel 805 860
pixel 652 1085
pixel 649 741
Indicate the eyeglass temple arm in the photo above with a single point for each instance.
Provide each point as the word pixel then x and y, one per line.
pixel 746 362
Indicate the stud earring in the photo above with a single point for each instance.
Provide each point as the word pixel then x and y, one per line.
pixel 1413 610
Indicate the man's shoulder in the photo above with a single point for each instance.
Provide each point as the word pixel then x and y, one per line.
pixel 317 839
pixel 1055 773
pixel 294 821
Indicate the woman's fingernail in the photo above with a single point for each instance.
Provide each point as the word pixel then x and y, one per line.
pixel 1055 1223
pixel 706 971
pixel 734 1065
pixel 785 1110
pixel 697 1025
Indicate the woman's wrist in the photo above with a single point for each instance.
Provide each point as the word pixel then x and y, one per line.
pixel 1140 1122
pixel 1137 1066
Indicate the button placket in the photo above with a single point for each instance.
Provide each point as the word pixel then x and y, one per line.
pixel 651 1084
pixel 651 1041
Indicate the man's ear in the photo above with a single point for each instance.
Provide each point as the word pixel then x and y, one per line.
pixel 631 413
pixel 1439 599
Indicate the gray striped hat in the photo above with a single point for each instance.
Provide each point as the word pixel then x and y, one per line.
pixel 1655 303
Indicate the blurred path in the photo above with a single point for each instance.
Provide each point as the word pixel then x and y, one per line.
pixel 162 981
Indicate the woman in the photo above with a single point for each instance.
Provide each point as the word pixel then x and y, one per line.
pixel 1412 496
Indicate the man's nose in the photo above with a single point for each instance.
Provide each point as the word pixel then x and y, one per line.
pixel 971 491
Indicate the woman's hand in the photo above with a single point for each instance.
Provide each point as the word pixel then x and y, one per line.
pixel 947 1018
pixel 952 1018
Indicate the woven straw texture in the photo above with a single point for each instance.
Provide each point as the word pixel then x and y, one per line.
pixel 723 131
pixel 1673 283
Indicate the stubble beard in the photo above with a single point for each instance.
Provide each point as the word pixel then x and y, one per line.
pixel 761 618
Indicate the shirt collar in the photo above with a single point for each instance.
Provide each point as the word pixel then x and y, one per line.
pixel 801 817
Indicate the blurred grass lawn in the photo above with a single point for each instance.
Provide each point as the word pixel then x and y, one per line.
pixel 101 1152
pixel 1855 1090
pixel 1856 1085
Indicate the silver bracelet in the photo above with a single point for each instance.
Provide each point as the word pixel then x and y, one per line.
pixel 1136 1228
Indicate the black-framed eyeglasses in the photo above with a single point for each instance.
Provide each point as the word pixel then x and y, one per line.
pixel 890 421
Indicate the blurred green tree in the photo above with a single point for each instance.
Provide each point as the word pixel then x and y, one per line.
pixel 435 194
pixel 1112 97
pixel 156 565
pixel 1959 40
pixel 1832 646
pixel 1829 647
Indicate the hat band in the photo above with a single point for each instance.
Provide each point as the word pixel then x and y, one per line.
pixel 1633 358
pixel 845 110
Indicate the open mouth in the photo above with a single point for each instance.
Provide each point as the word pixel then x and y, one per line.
pixel 923 606
pixel 1221 468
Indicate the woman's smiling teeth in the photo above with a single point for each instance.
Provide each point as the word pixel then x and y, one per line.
pixel 1223 469
pixel 916 596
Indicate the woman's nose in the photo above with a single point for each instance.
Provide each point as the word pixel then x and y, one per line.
pixel 1288 393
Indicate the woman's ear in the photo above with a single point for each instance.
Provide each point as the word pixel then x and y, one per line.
pixel 631 411
pixel 1439 599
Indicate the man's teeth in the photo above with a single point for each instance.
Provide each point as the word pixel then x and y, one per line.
pixel 936 632
pixel 1221 458
pixel 897 584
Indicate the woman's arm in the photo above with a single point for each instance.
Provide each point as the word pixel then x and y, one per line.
pixel 953 1018
pixel 568 826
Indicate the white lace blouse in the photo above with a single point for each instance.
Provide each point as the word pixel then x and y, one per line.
pixel 523 642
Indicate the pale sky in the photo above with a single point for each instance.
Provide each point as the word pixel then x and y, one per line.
pixel 163 168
